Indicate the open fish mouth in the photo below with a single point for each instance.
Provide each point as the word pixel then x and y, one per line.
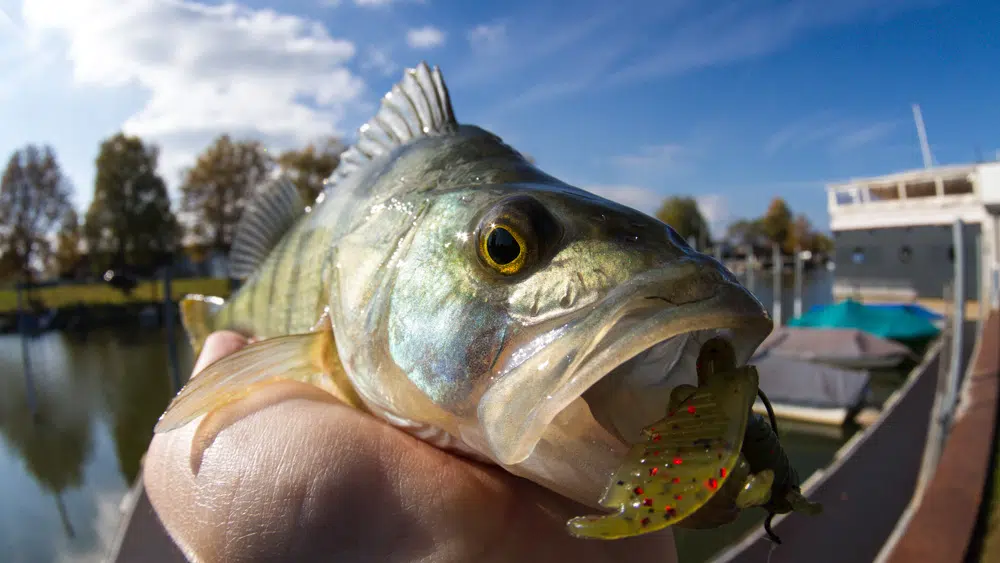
pixel 567 418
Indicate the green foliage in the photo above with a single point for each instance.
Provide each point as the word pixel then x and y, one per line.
pixel 215 189
pixel 66 259
pixel 683 215
pixel 129 221
pixel 34 197
pixel 311 166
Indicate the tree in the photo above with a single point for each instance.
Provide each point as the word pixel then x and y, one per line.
pixel 800 234
pixel 130 222
pixel 213 192
pixel 683 215
pixel 777 221
pixel 311 166
pixel 67 254
pixel 34 196
pixel 746 232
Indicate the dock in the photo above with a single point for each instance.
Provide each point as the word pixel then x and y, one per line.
pixel 868 486
pixel 54 296
pixel 141 537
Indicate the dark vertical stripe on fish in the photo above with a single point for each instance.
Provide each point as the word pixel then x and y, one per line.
pixel 326 275
pixel 294 290
pixel 280 256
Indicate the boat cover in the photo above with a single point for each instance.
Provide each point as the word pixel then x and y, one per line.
pixel 796 382
pixel 840 346
pixel 897 323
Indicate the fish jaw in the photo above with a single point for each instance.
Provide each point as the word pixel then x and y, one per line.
pixel 566 415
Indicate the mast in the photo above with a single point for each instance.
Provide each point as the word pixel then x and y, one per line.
pixel 925 148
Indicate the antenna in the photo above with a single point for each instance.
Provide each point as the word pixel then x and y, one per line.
pixel 922 133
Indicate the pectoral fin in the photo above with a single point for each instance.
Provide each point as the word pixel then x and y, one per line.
pixel 308 358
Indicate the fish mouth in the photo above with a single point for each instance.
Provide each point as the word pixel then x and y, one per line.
pixel 571 428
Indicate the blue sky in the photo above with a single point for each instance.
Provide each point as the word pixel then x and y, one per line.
pixel 733 102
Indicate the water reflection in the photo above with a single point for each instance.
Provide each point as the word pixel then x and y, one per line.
pixel 65 465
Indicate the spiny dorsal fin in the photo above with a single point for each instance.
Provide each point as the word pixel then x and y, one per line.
pixel 417 106
pixel 270 211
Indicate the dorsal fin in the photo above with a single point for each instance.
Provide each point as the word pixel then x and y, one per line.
pixel 270 211
pixel 417 106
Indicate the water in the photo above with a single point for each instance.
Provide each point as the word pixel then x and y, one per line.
pixel 65 468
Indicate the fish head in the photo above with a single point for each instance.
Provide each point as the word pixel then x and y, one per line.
pixel 551 325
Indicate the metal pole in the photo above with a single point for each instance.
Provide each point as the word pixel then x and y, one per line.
pixel 777 263
pixel 168 312
pixel 799 267
pixel 22 322
pixel 958 316
pixel 925 147
pixel 750 266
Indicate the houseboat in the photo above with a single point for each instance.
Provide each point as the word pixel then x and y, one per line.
pixel 894 234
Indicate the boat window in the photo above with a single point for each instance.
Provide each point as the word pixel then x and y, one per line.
pixel 957 186
pixel 858 256
pixel 883 193
pixel 905 253
pixel 921 189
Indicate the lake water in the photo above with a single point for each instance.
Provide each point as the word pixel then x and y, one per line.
pixel 65 467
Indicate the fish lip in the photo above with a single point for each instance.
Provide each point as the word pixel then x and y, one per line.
pixel 513 428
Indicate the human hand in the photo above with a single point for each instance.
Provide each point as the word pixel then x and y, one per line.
pixel 308 478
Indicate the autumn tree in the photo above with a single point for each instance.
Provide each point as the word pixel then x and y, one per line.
pixel 67 252
pixel 34 197
pixel 311 166
pixel 777 221
pixel 129 221
pixel 214 191
pixel 683 214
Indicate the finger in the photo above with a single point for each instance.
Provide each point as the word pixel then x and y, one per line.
pixel 218 345
pixel 305 479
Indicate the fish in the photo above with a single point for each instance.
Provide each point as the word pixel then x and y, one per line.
pixel 444 283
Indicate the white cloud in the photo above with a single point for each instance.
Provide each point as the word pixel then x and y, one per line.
pixel 715 209
pixel 488 37
pixel 379 60
pixel 426 37
pixel 656 157
pixel 381 3
pixel 206 69
pixel 636 197
pixel 839 134
pixel 865 135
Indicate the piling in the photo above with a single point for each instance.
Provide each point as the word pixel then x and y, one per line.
pixel 958 316
pixel 168 320
pixel 777 264
pixel 797 283
pixel 751 266
pixel 22 325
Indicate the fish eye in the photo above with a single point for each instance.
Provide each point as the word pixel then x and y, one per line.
pixel 504 249
pixel 515 235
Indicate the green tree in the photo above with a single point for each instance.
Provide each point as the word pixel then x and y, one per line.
pixel 67 253
pixel 34 197
pixel 311 166
pixel 683 215
pixel 777 221
pixel 214 190
pixel 746 232
pixel 129 221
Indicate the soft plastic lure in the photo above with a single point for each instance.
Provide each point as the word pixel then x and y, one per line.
pixel 690 455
